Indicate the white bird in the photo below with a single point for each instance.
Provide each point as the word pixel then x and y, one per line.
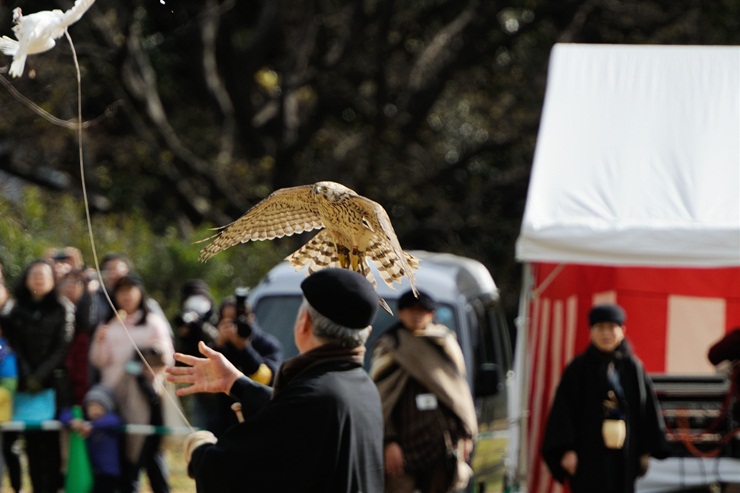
pixel 38 32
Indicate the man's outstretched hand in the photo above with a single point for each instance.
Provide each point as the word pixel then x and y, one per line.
pixel 214 373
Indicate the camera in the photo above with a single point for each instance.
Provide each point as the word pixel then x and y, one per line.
pixel 243 327
pixel 195 312
pixel 191 319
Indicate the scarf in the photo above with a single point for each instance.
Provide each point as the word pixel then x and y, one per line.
pixel 432 358
pixel 301 364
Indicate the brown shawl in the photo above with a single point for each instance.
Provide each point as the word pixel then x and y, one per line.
pixel 441 372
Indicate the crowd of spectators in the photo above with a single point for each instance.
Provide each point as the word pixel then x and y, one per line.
pixel 104 347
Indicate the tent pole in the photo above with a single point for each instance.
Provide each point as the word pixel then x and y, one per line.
pixel 520 403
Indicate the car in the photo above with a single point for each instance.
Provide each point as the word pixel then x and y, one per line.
pixel 468 303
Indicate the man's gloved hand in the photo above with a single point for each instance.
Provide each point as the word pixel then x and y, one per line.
pixel 195 440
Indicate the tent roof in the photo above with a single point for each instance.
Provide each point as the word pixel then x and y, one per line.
pixel 637 159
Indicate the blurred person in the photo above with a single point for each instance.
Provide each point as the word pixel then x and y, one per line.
pixel 194 323
pixel 6 300
pixel 428 411
pixel 196 320
pixel 73 286
pixel 604 422
pixel 138 388
pixel 64 260
pixel 101 427
pixel 8 438
pixel 112 268
pixel 39 329
pixel 252 351
pixel 8 385
pixel 320 428
pixel 727 351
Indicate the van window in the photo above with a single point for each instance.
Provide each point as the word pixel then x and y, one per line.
pixel 490 338
pixel 276 315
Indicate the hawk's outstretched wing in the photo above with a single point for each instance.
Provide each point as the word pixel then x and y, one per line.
pixel 283 213
pixel 392 262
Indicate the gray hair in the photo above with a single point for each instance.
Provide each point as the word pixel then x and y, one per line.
pixel 326 329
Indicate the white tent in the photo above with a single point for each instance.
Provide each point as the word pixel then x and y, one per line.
pixel 636 185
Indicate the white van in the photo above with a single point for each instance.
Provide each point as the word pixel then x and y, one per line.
pixel 468 303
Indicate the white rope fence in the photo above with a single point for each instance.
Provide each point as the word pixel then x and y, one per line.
pixel 133 429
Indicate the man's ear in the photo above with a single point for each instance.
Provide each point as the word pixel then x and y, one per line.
pixel 305 325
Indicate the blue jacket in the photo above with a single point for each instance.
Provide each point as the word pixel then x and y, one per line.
pixel 103 442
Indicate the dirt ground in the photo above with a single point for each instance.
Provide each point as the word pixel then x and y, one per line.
pixel 179 480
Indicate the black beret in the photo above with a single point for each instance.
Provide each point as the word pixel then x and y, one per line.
pixel 342 296
pixel 407 300
pixel 607 312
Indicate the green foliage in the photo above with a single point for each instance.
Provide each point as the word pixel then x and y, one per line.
pixel 163 259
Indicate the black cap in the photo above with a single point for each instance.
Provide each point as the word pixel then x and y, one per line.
pixel 102 395
pixel 607 312
pixel 193 287
pixel 408 300
pixel 342 296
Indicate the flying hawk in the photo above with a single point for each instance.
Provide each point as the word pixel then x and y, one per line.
pixel 356 230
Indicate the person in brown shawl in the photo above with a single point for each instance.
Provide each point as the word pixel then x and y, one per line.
pixel 428 410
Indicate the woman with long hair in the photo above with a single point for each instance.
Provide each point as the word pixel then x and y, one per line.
pixel 39 329
pixel 138 385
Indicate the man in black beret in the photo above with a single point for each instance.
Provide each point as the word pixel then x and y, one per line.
pixel 604 422
pixel 320 429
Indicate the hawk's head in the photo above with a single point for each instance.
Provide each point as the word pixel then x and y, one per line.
pixel 331 191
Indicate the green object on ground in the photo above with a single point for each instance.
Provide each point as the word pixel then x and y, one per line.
pixel 79 477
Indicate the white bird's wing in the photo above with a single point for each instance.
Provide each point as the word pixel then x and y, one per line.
pixel 76 12
pixel 9 46
pixel 283 213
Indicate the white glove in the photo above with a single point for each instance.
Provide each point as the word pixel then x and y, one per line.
pixel 195 440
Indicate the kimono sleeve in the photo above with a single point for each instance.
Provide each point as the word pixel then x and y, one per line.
pixel 560 430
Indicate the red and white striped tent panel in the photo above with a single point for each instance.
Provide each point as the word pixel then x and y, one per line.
pixel 634 198
pixel 673 317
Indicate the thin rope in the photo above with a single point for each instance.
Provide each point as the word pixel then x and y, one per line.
pixel 72 125
pixel 92 239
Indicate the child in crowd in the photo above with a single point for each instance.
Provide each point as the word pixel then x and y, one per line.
pixel 102 429
pixel 8 384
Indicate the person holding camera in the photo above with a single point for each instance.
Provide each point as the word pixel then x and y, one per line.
pixel 196 322
pixel 252 351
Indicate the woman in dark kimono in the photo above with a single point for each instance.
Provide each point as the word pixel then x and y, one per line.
pixel 604 384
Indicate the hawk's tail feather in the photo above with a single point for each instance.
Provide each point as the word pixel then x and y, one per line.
pixel 392 268
pixel 317 253
pixel 384 305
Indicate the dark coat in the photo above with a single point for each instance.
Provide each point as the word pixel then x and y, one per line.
pixel 264 349
pixel 322 432
pixel 728 349
pixel 576 418
pixel 40 334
